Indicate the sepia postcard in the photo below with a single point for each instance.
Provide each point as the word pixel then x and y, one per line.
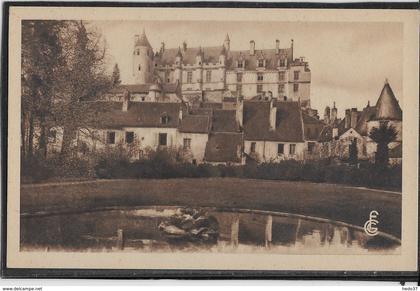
pixel 173 138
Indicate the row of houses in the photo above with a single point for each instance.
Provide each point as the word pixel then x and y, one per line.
pixel 234 131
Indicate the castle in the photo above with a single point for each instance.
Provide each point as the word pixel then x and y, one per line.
pixel 228 107
pixel 207 74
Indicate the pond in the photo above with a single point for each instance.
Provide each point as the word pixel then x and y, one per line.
pixel 168 229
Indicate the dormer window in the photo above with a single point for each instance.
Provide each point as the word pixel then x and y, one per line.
pixel 164 119
pixel 282 62
pixel 138 52
pixel 261 63
pixel 260 77
pixel 241 64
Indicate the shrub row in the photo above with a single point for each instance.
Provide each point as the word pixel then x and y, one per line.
pixel 164 165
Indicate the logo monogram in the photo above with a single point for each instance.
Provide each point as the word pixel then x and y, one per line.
pixel 370 225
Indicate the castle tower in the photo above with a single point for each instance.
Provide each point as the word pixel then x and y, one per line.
pixel 333 117
pixel 226 43
pixel 327 115
pixel 142 59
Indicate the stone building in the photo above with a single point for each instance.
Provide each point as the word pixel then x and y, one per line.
pixel 337 136
pixel 205 74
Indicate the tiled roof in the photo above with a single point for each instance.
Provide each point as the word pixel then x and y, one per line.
pixel 142 40
pixel 224 147
pixel 368 113
pixel 289 124
pixel 211 55
pixel 387 105
pixel 139 114
pixel 312 127
pixel 195 124
pixel 224 121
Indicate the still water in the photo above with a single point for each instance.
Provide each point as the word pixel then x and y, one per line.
pixel 169 229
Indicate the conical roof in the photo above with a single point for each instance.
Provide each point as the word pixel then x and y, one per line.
pixel 387 107
pixel 179 54
pixel 227 37
pixel 142 40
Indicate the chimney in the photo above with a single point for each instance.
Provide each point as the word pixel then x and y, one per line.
pixel 184 46
pixel 252 47
pixel 162 47
pixel 277 46
pixel 136 39
pixel 327 115
pixel 273 115
pixel 126 100
pixel 353 120
pixel 333 114
pixel 180 112
pixel 335 132
pixel 239 111
pixel 291 48
pixel 347 119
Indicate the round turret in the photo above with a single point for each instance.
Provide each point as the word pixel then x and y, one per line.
pixel 142 59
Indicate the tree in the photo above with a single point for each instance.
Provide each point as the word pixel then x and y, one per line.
pixel 86 80
pixel 42 58
pixel 382 135
pixel 116 75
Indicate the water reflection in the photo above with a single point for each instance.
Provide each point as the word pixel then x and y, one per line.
pixel 174 229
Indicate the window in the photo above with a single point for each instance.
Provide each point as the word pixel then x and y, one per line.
pixel 143 98
pixel 239 77
pixel 259 88
pixel 129 137
pixel 260 77
pixel 208 76
pixel 260 63
pixel 187 143
pixel 162 139
pixel 292 149
pixel 239 90
pixel 280 149
pixel 282 62
pixel 241 64
pixel 281 88
pixel 282 76
pixel 295 87
pixel 139 68
pixel 137 51
pixel 110 137
pixel 296 75
pixel 164 119
pixel 311 147
pixel 253 145
pixel 189 77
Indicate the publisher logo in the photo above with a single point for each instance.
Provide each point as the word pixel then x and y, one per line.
pixel 370 225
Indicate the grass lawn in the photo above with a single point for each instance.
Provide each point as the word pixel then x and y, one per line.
pixel 337 202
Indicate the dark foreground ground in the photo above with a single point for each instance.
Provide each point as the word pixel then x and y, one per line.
pixel 336 202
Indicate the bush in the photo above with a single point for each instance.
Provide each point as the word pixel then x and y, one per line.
pixel 170 163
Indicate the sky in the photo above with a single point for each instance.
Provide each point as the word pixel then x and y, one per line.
pixel 349 61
